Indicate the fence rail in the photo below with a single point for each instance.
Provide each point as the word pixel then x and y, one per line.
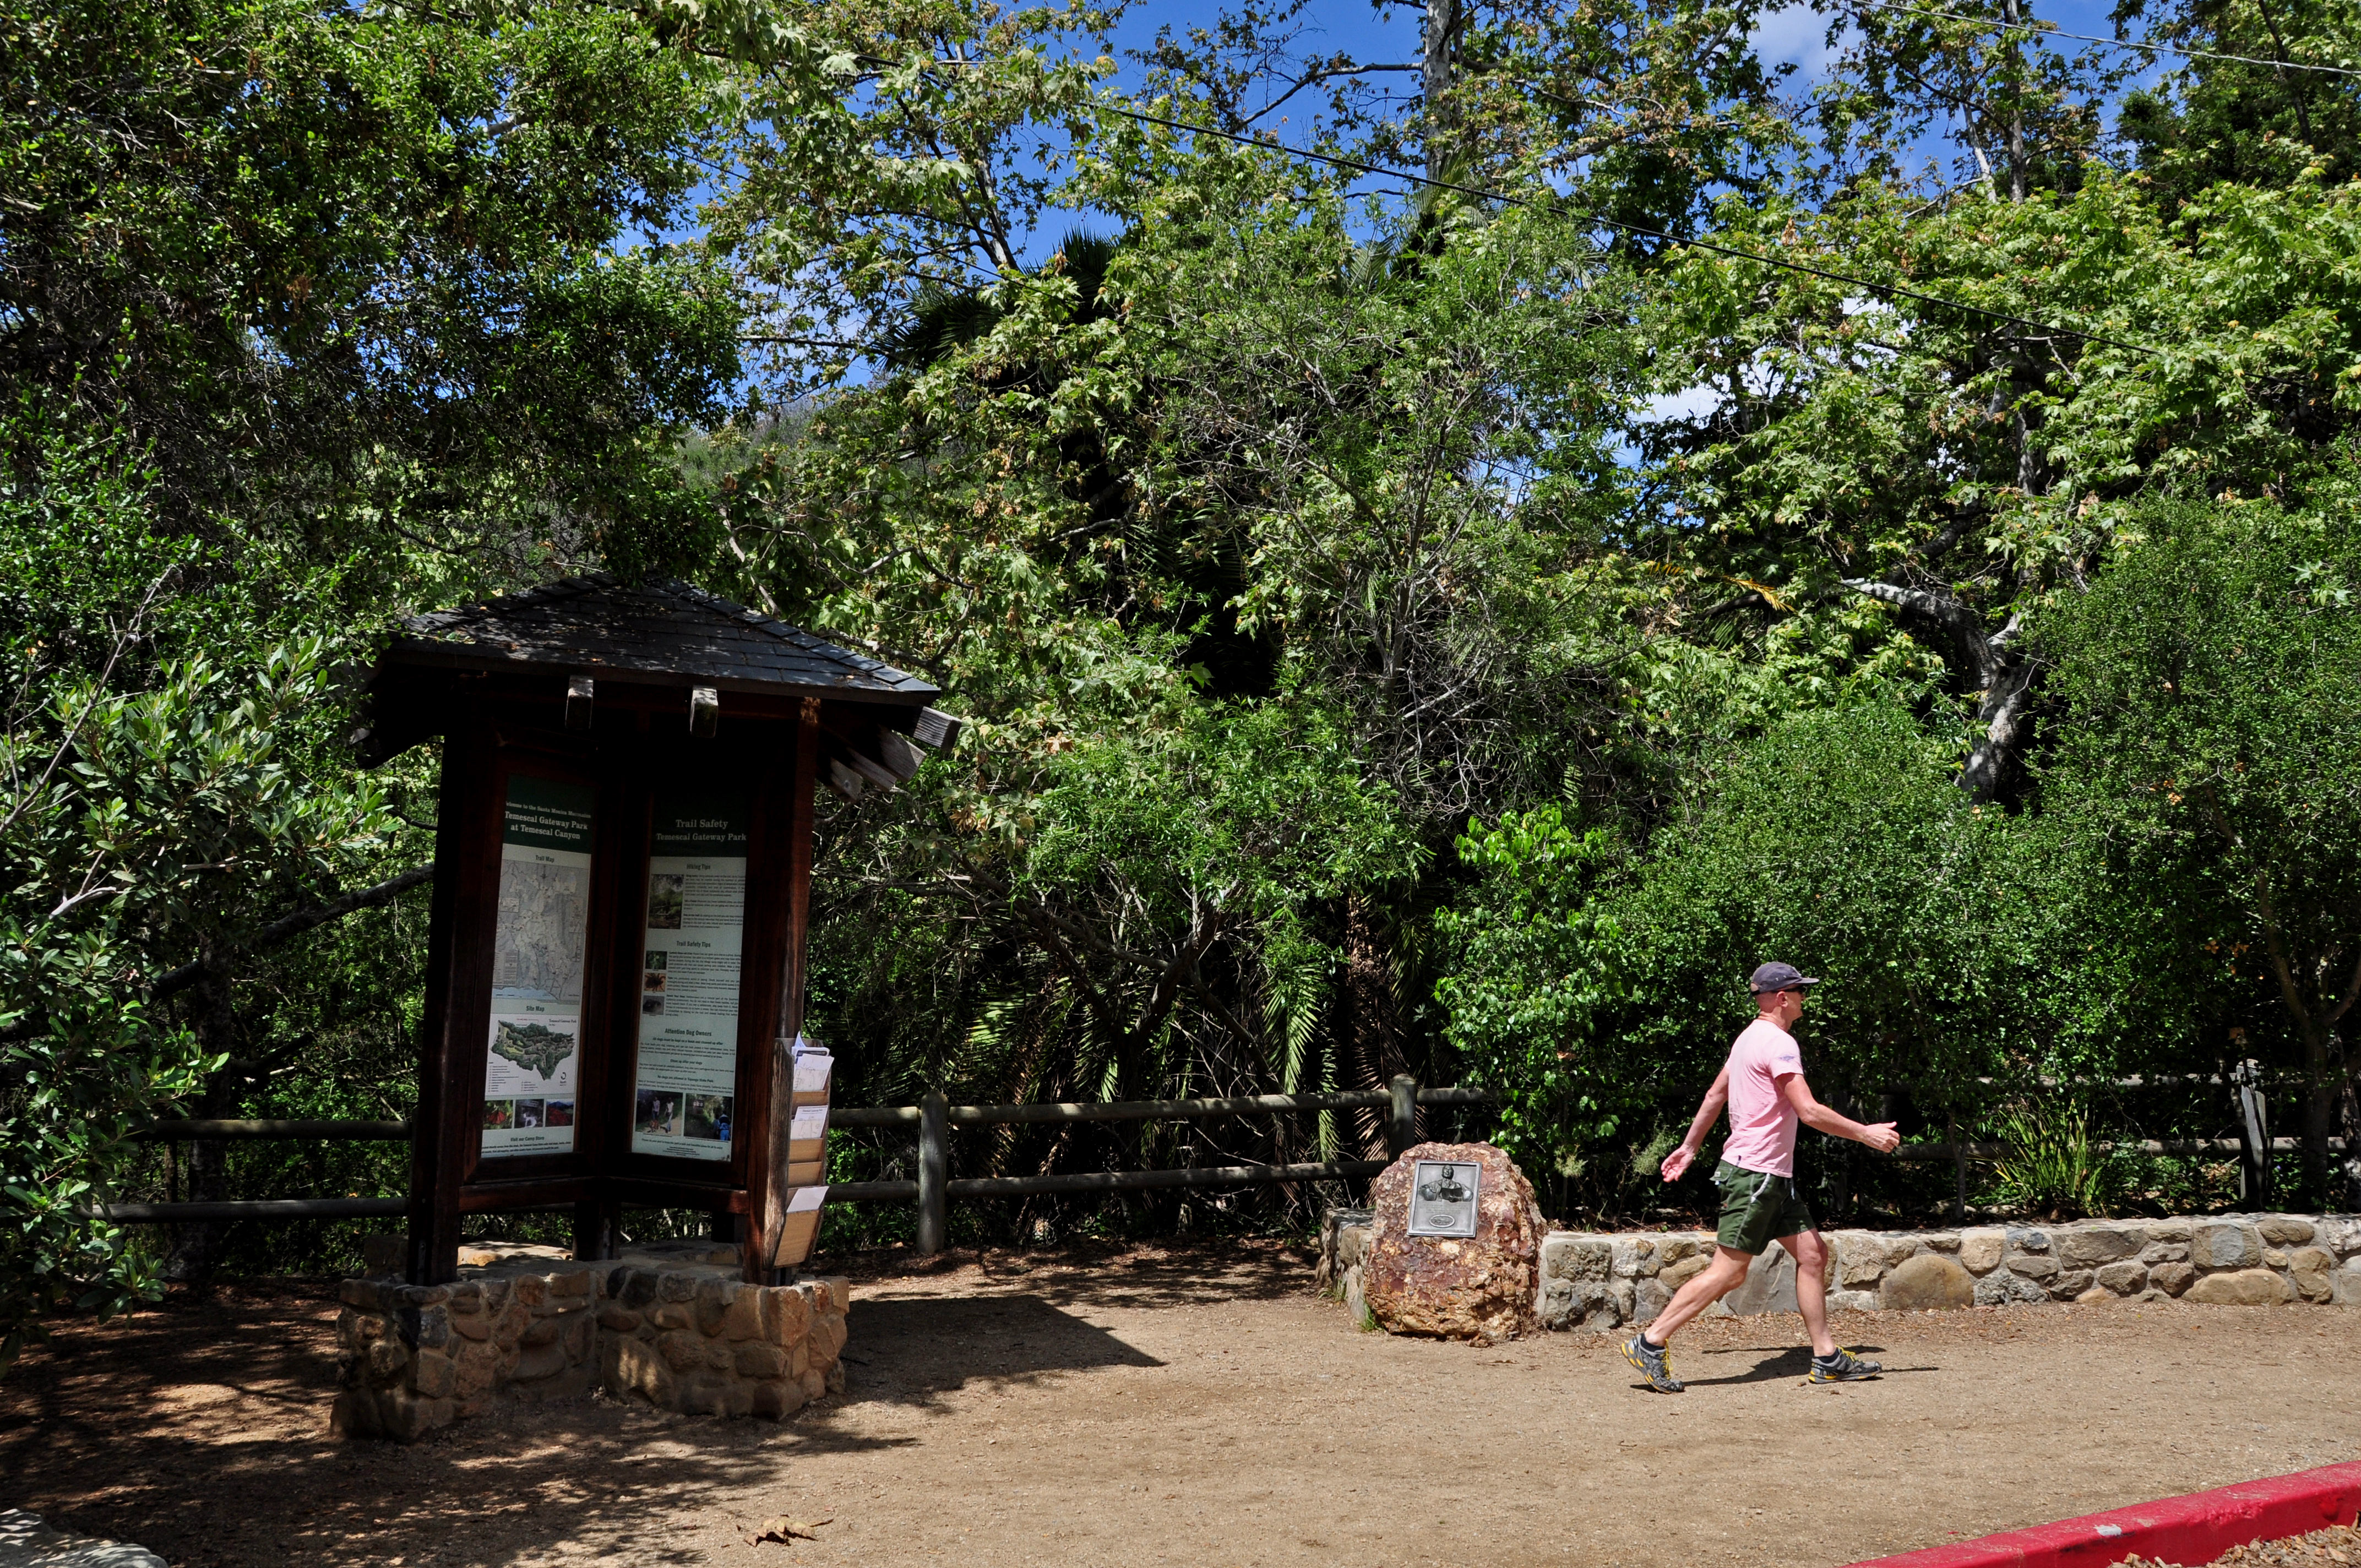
pixel 2145 1145
pixel 254 1209
pixel 194 1132
pixel 932 1119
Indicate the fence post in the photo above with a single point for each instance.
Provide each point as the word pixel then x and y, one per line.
pixel 1958 1175
pixel 1401 1117
pixel 934 1170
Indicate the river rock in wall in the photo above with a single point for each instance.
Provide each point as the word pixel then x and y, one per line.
pixel 1483 1287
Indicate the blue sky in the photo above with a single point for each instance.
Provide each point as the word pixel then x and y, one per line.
pixel 1796 35
pixel 1374 34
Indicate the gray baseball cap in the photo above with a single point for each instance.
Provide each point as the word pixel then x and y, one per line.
pixel 1779 977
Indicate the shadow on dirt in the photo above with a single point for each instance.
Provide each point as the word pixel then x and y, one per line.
pixel 200 1431
pixel 1783 1362
pixel 914 1350
pixel 1086 1275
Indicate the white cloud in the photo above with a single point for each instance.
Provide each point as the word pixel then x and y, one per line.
pixel 1689 402
pixel 1798 34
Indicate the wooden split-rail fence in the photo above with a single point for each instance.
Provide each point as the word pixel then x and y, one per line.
pixel 933 1119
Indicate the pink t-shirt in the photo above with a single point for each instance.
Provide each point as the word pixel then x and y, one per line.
pixel 1762 1123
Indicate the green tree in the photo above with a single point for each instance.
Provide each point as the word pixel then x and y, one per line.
pixel 1598 991
pixel 2211 682
pixel 1964 470
pixel 351 275
pixel 309 315
pixel 145 823
pixel 2252 121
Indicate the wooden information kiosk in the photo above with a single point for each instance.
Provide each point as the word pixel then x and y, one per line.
pixel 623 855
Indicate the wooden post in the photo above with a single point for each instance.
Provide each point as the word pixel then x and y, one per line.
pixel 799 866
pixel 1959 1174
pixel 440 1125
pixel 763 1239
pixel 1401 1117
pixel 591 1243
pixel 934 1171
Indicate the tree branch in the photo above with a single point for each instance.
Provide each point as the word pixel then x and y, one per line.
pixel 295 925
pixel 1965 627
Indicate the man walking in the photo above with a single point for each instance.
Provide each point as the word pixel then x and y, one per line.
pixel 1762 1084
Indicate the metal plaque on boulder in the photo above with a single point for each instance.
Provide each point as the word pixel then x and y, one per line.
pixel 1442 1199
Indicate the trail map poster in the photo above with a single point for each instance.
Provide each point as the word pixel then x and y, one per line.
pixel 683 1101
pixel 538 945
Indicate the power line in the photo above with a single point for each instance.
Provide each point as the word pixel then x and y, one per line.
pixel 1383 172
pixel 2039 31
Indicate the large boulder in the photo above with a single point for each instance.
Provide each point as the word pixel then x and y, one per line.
pixel 2088 1246
pixel 2247 1287
pixel 1769 1286
pixel 2226 1245
pixel 1483 1288
pixel 1928 1282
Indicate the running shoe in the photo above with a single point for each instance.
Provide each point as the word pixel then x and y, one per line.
pixel 1652 1361
pixel 1844 1367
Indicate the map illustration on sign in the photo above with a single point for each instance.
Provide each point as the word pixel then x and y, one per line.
pixel 545 914
pixel 539 945
pixel 533 1045
pixel 1442 1198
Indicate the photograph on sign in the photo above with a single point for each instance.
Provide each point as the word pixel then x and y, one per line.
pixel 683 1103
pixel 540 940
pixel 1442 1198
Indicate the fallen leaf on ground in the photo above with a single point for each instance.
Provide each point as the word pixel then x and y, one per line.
pixel 782 1529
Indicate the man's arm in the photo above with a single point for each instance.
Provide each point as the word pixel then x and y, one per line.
pixel 1708 1114
pixel 1879 1135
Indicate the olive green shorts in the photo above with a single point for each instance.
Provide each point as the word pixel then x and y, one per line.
pixel 1757 1209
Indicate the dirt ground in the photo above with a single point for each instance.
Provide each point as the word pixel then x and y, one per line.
pixel 1188 1405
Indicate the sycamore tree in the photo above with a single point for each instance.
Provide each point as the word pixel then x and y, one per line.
pixel 1963 470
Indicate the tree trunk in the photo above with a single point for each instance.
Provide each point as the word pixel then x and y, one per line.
pixel 2322 1088
pixel 2016 152
pixel 196 1248
pixel 1368 1036
pixel 2003 712
pixel 2351 1103
pixel 1434 80
pixel 2003 675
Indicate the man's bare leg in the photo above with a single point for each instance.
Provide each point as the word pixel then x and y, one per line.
pixel 1726 1273
pixel 1811 1255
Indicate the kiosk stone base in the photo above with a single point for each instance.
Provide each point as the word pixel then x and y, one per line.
pixel 672 1324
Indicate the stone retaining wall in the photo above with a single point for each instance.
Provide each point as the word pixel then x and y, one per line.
pixel 1603 1281
pixel 672 1325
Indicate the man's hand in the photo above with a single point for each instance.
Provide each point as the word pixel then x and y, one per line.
pixel 1880 1136
pixel 1677 1162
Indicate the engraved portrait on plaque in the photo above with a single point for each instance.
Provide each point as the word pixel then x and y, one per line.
pixel 1442 1198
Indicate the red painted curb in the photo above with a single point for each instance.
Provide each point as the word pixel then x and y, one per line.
pixel 2186 1531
